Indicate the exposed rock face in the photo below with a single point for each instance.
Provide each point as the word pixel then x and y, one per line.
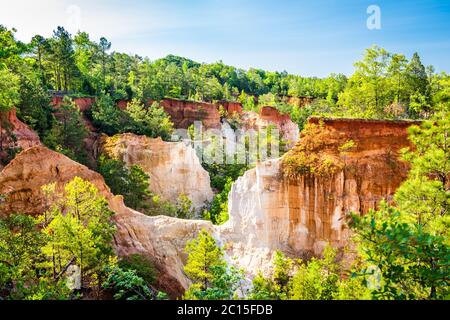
pixel 14 135
pixel 24 136
pixel 231 106
pixel 184 113
pixel 84 103
pixel 22 178
pixel 161 238
pixel 268 209
pixel 269 115
pixel 173 167
pixel 299 101
pixel 302 214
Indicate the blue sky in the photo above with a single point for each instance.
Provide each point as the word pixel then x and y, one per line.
pixel 312 38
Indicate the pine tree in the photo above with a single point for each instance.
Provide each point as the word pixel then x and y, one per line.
pixel 107 116
pixel 212 278
pixel 409 244
pixel 68 133
pixel 418 86
pixel 203 254
pixel 80 230
pixel 417 75
pixel 152 121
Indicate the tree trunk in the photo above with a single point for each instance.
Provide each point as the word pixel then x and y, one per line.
pixel 41 68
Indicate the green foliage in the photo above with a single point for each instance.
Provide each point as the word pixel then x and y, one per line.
pixel 218 212
pixel 300 115
pixel 409 244
pixel 367 92
pixel 83 234
pixel 137 187
pixel 106 116
pixel 10 48
pixel 184 209
pixel 315 279
pixel 42 289
pixel 222 177
pixel 20 243
pixel 75 230
pixel 347 146
pixel 278 285
pixel 413 263
pixel 212 278
pixel 224 284
pixel 248 102
pixel 142 265
pixel 221 173
pixel 203 254
pixel 34 108
pixel 127 285
pixel 132 184
pixel 21 274
pixel 68 132
pixel 9 90
pixel 156 206
pixel 318 279
pixel 308 156
pixel 152 122
pixel 268 99
pixel 327 88
pixel 62 59
pixel 385 85
pixel 352 288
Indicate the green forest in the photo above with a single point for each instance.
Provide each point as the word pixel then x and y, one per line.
pixel 402 250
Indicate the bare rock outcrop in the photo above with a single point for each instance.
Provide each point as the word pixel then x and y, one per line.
pixel 83 103
pixel 24 137
pixel 14 134
pixel 299 101
pixel 271 116
pixel 300 214
pixel 161 238
pixel 231 106
pixel 173 167
pixel 281 204
pixel 183 113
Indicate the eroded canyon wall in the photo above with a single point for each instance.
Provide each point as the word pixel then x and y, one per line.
pixel 173 167
pixel 161 238
pixel 270 207
pixel 14 134
pixel 289 131
pixel 300 214
pixel 183 113
pixel 83 103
